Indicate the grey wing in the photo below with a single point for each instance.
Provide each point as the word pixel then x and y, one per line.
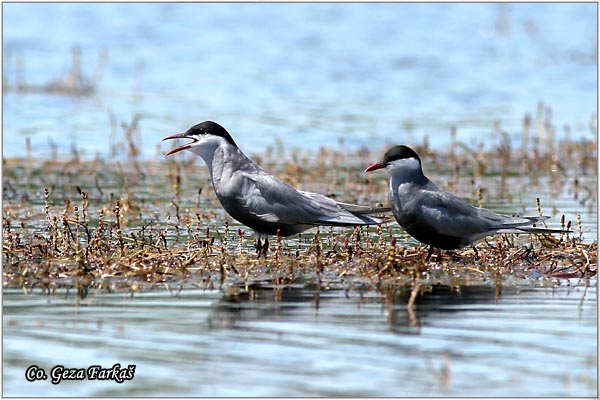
pixel 270 199
pixel 450 215
pixel 336 213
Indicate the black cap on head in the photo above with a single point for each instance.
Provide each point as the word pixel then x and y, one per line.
pixel 210 127
pixel 399 153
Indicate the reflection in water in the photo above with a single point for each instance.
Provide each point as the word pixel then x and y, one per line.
pixel 438 299
pixel 277 303
pixel 467 341
pixel 260 303
pixel 302 342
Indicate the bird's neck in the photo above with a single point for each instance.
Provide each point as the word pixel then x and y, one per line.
pixel 225 161
pixel 403 186
pixel 398 178
pixel 207 152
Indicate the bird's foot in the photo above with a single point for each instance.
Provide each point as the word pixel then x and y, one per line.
pixel 476 253
pixel 439 256
pixel 429 253
pixel 262 248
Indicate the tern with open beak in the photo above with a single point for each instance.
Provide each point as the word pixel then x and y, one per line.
pixel 258 199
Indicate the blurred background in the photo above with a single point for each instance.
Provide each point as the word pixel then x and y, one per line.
pixel 77 77
pixel 302 75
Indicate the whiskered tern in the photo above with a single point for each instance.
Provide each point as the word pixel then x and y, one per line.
pixel 435 216
pixel 258 199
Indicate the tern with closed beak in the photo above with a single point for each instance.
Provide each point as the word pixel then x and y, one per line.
pixel 435 216
pixel 259 200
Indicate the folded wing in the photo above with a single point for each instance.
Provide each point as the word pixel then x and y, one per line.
pixel 449 215
pixel 266 197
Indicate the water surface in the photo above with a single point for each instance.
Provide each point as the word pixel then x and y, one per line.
pixel 300 342
pixel 306 74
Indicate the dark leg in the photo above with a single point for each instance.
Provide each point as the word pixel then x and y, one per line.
pixel 439 256
pixel 476 252
pixel 429 253
pixel 258 246
pixel 262 247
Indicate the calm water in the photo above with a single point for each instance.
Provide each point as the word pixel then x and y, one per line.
pixel 307 74
pixel 333 343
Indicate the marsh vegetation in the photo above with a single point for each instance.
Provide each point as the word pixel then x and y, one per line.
pixel 129 224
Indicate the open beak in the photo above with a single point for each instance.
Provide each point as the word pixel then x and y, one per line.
pixel 180 136
pixel 375 166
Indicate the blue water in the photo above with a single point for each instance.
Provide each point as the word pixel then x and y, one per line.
pixel 306 74
pixel 481 341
